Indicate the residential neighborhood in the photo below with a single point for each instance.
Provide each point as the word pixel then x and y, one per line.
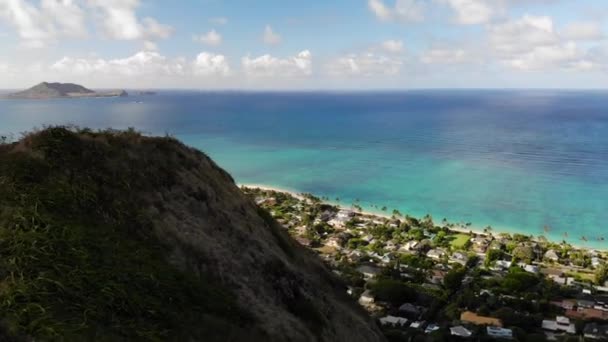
pixel 439 281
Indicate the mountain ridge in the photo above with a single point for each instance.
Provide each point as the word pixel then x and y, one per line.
pixel 159 244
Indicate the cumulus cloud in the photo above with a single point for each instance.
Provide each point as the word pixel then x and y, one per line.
pixel 583 30
pixel 444 56
pixel 209 64
pixel 143 63
pixel 269 66
pixel 270 37
pixel 393 46
pixel 521 35
pixel 365 64
pixel 402 11
pixel 533 43
pixel 210 38
pixel 39 26
pixel 120 21
pixel 470 12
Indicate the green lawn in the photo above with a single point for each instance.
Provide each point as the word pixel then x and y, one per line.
pixel 458 241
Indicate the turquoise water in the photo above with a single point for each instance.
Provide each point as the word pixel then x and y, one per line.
pixel 515 160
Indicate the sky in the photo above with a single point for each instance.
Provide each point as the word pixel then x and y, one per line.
pixel 308 45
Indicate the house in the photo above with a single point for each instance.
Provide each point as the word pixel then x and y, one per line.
pixel 394 321
pixel 369 271
pixel 436 277
pixel 501 265
pixel 333 242
pixel 409 246
pixel 460 331
pixel 595 331
pixel 473 318
pixel 566 304
pixel 497 332
pixel 431 328
pixel 459 258
pixel 417 325
pixel 366 298
pixel 344 215
pixel 551 255
pixel 596 262
pixel 436 254
pixel 583 303
pixel 530 268
pixel 560 324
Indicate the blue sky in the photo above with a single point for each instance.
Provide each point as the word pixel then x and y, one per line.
pixel 314 44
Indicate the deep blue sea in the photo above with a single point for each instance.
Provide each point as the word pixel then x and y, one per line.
pixel 515 160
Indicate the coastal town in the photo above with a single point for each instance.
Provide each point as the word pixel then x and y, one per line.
pixel 424 280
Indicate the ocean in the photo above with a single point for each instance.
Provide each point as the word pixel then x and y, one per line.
pixel 513 160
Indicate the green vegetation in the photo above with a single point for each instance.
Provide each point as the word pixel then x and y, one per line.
pixel 79 259
pixel 459 241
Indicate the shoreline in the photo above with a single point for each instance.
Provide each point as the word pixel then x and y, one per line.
pixel 465 230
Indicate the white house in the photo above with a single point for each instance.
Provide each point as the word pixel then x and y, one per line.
pixel 392 320
pixel 460 331
pixel 497 332
pixel 551 255
pixel 435 254
pixel 366 298
pixel 560 323
pixel 459 258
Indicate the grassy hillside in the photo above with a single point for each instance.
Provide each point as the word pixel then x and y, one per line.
pixel 111 235
pixel 77 252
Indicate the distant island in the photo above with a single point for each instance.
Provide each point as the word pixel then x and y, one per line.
pixel 46 90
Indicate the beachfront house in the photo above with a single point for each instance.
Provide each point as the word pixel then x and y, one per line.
pixel 551 255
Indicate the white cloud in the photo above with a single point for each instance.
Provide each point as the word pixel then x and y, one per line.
pixel 210 38
pixel 120 21
pixel 365 64
pixel 69 16
pixel 444 56
pixel 470 12
pixel 143 63
pixel 394 46
pixel 270 37
pixel 209 64
pixel 523 34
pixel 269 66
pixel 218 20
pixel 544 57
pixel 37 27
pixel 402 11
pixel 583 30
pixel 533 43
